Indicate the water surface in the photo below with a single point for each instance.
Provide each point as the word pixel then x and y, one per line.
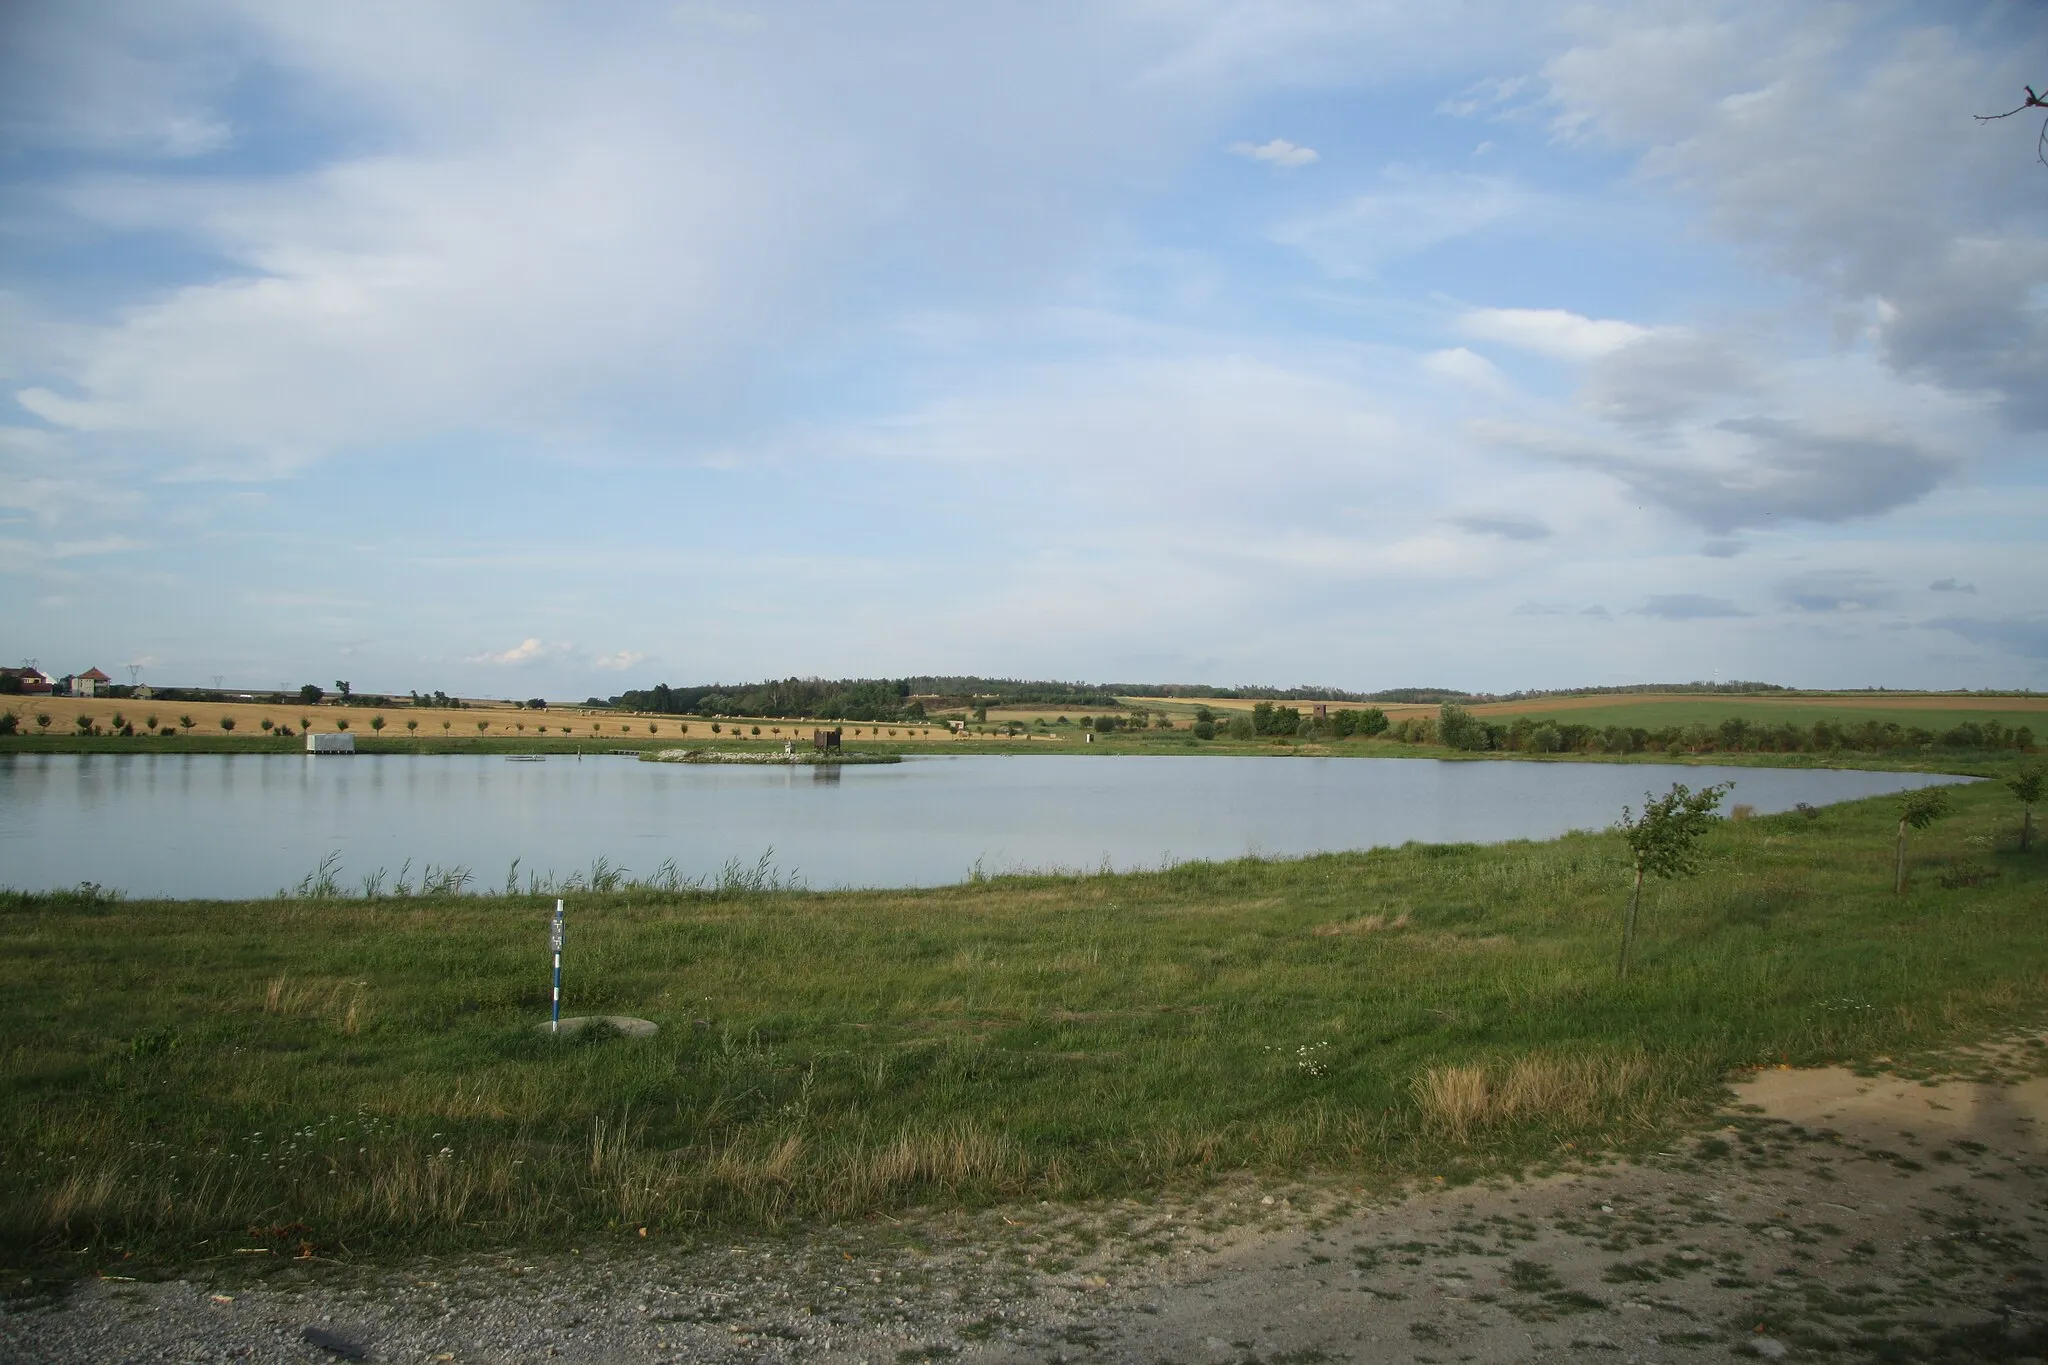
pixel 234 825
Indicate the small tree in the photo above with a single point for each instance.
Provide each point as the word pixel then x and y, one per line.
pixel 444 725
pixel 227 722
pixel 2030 786
pixel 482 726
pixel 186 722
pixel 376 722
pixel 341 724
pixel 9 722
pixel 1664 841
pixel 264 723
pixel 84 723
pixel 42 720
pixel 305 722
pixel 412 725
pixel 1919 810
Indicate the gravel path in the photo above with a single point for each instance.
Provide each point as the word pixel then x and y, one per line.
pixel 1830 1217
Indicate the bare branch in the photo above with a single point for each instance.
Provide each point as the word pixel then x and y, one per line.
pixel 2033 101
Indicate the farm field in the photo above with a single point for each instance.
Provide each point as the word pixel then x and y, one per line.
pixel 356 1078
pixel 1651 711
pixel 560 725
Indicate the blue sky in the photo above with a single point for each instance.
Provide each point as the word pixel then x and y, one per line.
pixel 538 350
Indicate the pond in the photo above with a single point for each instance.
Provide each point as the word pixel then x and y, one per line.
pixel 224 825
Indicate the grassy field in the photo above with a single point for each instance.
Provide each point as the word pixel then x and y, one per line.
pixel 252 1082
pixel 1652 711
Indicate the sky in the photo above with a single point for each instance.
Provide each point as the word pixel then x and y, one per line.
pixel 525 350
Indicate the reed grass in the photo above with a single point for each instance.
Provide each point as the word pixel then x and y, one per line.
pixel 336 1075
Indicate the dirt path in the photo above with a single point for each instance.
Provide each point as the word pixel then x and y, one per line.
pixel 1831 1217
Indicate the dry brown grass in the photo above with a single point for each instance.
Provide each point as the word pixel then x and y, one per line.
pixel 1574 1091
pixel 345 1004
pixel 1364 924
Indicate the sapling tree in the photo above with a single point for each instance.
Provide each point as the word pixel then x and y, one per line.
pixel 376 722
pixel 1919 810
pixel 42 720
pixel 186 722
pixel 1664 841
pixel 84 723
pixel 412 725
pixel 227 722
pixel 2029 786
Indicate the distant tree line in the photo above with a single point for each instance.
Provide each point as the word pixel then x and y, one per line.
pixel 1456 728
pixel 857 699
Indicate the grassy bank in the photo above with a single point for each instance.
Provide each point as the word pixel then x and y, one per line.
pixel 345 1078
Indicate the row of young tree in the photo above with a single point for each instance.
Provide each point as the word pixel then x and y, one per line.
pixel 1455 727
pixel 1663 840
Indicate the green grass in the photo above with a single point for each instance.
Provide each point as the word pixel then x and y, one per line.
pixel 350 1078
pixel 1657 713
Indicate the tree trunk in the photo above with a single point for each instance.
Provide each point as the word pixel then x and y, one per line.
pixel 1628 925
pixel 1899 864
pixel 2026 825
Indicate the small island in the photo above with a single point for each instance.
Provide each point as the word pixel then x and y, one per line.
pixel 832 757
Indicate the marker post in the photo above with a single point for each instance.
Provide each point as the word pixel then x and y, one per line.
pixel 555 943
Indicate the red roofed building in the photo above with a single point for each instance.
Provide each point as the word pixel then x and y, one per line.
pixel 88 683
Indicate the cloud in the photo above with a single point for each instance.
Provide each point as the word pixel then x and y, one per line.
pixel 1506 525
pixel 1540 609
pixel 2026 636
pixel 529 650
pixel 1688 606
pixel 1597 610
pixel 1662 376
pixel 1279 152
pixel 1411 212
pixel 1721 549
pixel 617 663
pixel 1835 147
pixel 1553 332
pixel 1836 590
pixel 1950 585
pixel 1466 367
pixel 1489 93
pixel 1756 471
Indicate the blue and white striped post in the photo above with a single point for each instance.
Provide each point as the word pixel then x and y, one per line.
pixel 555 942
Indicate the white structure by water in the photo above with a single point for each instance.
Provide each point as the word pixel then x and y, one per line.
pixel 331 744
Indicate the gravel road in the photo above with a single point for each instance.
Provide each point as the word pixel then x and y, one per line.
pixel 1828 1216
